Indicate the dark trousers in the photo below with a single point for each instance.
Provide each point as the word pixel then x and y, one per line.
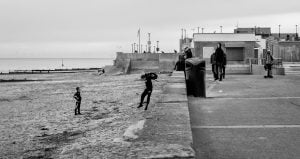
pixel 219 74
pixel 146 92
pixel 223 71
pixel 77 107
pixel 213 69
pixel 269 69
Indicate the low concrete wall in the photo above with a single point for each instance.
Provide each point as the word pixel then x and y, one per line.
pixel 157 62
pixel 167 133
pixel 260 70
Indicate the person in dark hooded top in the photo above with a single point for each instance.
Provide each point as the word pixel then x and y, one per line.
pixel 219 56
pixel 148 77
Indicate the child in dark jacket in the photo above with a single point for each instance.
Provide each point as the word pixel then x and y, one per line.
pixel 77 97
pixel 147 77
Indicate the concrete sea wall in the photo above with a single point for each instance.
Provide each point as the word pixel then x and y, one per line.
pixel 131 62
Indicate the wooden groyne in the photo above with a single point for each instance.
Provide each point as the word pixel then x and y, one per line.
pixel 46 71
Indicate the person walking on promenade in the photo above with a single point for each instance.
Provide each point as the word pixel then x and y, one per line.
pixel 77 97
pixel 213 64
pixel 224 65
pixel 268 66
pixel 219 56
pixel 147 77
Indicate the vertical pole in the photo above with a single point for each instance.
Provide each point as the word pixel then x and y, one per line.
pixel 202 30
pixel 139 41
pixel 279 31
pixel 198 29
pixel 296 29
pixel 157 45
pixel 221 28
pixel 185 33
pixel 132 48
pixel 149 43
pixel 153 49
pixel 181 33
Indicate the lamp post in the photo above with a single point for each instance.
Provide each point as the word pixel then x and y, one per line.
pixel 279 30
pixel 132 48
pixel 296 29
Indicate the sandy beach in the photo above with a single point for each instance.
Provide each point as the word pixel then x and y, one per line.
pixel 37 117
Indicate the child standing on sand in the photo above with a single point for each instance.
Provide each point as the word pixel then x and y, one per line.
pixel 77 97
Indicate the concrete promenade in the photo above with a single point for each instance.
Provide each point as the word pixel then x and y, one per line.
pixel 247 117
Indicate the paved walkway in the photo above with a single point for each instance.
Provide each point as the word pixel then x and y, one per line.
pixel 247 116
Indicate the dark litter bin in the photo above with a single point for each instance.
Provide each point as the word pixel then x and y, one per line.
pixel 195 77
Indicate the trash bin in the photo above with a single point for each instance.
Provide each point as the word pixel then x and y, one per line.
pixel 195 77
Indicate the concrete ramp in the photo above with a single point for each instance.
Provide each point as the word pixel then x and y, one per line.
pixel 233 69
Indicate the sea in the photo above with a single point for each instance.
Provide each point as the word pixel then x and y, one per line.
pixel 12 64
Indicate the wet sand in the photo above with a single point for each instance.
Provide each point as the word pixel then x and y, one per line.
pixel 37 117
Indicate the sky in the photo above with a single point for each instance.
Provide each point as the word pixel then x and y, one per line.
pixel 100 28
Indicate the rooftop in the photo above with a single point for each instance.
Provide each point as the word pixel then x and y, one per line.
pixel 223 37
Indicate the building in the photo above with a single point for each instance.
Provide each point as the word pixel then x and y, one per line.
pixel 263 31
pixel 288 51
pixel 239 48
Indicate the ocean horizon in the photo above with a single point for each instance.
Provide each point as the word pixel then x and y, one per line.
pixel 11 64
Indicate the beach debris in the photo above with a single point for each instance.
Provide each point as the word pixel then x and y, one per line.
pixel 132 130
pixel 44 129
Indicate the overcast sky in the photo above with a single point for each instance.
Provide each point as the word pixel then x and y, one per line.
pixel 99 28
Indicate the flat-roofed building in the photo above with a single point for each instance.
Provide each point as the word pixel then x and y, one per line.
pixel 239 48
pixel 263 31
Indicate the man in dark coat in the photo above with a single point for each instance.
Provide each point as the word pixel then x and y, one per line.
pixel 219 56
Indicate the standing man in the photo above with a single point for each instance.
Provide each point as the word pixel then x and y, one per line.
pixel 268 65
pixel 213 64
pixel 224 65
pixel 219 55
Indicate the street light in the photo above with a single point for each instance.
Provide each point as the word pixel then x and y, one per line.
pixel 132 48
pixel 279 31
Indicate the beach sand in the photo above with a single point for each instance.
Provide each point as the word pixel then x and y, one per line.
pixel 37 118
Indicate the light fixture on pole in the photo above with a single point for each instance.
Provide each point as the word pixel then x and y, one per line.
pixel 279 30
pixel 134 47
